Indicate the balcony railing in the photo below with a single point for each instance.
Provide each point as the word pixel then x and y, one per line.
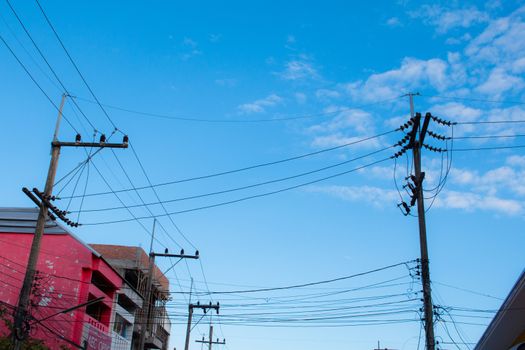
pixel 119 343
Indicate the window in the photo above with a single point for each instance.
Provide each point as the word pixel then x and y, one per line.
pixel 120 326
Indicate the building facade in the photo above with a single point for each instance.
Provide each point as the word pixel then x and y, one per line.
pixel 69 273
pixel 132 263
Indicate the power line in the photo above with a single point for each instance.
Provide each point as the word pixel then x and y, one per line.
pixel 13 34
pixel 45 60
pixel 518 121
pixel 251 167
pixel 238 121
pixel 162 202
pixel 467 290
pixel 473 99
pixel 487 148
pixel 74 64
pixel 245 198
pixel 36 83
pixel 309 284
pixel 488 136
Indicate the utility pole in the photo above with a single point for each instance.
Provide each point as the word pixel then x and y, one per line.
pixel 21 326
pixel 210 342
pixel 149 281
pixel 205 308
pixel 416 144
pixel 379 347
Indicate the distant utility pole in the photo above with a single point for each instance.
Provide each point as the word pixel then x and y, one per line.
pixel 210 342
pixel 149 281
pixel 205 308
pixel 379 347
pixel 417 137
pixel 21 326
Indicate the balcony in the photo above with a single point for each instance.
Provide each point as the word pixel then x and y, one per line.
pixel 131 295
pixel 119 343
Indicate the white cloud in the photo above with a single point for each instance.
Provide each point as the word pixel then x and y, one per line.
pixel 348 125
pixel 299 70
pixel 499 82
pixel 355 120
pixel 215 38
pixel 508 179
pixel 446 19
pixel 393 22
pixel 458 40
pixel 412 74
pixel 192 49
pixel 501 42
pixel 376 196
pixel 456 111
pixel 471 202
pixel 518 161
pixel 189 42
pixel 300 97
pixel 259 106
pixel 326 94
pixel 229 82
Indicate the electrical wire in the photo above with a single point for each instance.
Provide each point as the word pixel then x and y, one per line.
pixel 162 202
pixel 73 63
pixel 36 83
pixel 473 99
pixel 243 198
pixel 240 121
pixel 251 167
pixel 45 59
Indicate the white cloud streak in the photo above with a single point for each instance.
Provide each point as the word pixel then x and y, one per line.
pixel 259 106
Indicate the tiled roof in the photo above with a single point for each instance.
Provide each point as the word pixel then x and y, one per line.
pixel 131 254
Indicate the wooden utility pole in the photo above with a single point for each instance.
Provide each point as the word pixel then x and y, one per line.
pixel 190 316
pixel 416 142
pixel 21 326
pixel 149 281
pixel 210 342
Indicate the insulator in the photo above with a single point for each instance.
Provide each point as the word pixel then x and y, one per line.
pixel 125 139
pixel 78 138
pixel 166 251
pixel 102 138
pixel 182 252
pixel 406 207
pixel 196 253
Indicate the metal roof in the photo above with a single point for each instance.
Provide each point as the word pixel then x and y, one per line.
pixel 23 220
pixel 509 321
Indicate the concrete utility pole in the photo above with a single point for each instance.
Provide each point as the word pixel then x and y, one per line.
pixel 416 144
pixel 190 316
pixel 149 281
pixel 210 342
pixel 21 326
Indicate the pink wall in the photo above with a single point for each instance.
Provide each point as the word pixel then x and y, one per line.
pixel 65 268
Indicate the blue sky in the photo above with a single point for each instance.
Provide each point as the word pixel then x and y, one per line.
pixel 342 68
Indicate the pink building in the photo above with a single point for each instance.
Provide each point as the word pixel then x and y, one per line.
pixel 69 272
